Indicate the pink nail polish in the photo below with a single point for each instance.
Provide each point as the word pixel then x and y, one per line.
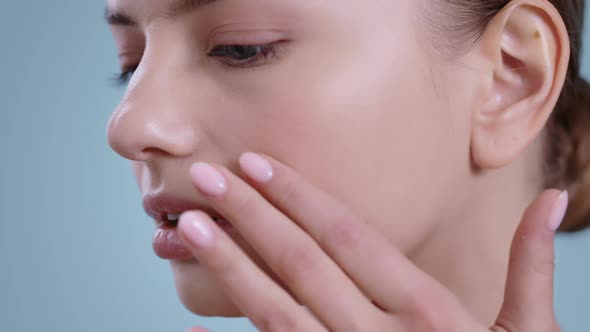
pixel 196 229
pixel 558 213
pixel 256 167
pixel 208 180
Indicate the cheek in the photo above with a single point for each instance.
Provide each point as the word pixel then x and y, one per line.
pixel 375 136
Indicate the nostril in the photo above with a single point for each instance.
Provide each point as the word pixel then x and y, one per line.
pixel 151 151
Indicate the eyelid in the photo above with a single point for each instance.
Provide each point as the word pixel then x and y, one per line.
pixel 243 37
pixel 129 54
pixel 130 46
pixel 129 61
pixel 271 52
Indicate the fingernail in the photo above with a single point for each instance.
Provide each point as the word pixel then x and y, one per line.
pixel 196 229
pixel 559 209
pixel 208 179
pixel 256 167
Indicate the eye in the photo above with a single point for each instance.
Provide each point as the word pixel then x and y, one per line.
pixel 244 55
pixel 122 78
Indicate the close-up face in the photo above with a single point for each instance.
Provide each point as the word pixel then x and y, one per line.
pixel 351 94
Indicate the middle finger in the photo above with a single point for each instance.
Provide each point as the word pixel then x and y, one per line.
pixel 293 255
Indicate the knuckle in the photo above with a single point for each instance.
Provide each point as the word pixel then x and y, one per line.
pixel 243 206
pixel 276 321
pixel 289 195
pixel 227 265
pixel 429 312
pixel 344 231
pixel 540 267
pixel 359 321
pixel 510 324
pixel 297 264
pixel 544 268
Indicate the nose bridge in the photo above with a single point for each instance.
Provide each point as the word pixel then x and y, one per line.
pixel 152 117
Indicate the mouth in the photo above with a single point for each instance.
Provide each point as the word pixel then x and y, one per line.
pixel 171 219
pixel 165 210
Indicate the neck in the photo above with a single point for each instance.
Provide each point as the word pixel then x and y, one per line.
pixel 469 253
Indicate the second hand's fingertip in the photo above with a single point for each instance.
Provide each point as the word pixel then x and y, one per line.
pixel 558 211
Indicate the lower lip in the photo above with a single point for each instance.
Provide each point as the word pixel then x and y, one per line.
pixel 168 245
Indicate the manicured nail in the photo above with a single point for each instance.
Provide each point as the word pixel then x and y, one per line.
pixel 208 179
pixel 559 209
pixel 196 229
pixel 256 167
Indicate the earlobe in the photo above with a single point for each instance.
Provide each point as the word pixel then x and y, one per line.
pixel 527 46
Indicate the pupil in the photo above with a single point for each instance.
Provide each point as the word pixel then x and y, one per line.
pixel 242 52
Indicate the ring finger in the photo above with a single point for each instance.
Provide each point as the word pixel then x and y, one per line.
pixel 258 297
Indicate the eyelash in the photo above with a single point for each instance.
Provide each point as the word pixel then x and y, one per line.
pixel 222 53
pixel 263 53
pixel 122 78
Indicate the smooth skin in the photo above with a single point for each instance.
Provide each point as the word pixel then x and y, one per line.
pixel 437 151
pixel 347 275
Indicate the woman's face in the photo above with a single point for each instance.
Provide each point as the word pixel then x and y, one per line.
pixel 348 93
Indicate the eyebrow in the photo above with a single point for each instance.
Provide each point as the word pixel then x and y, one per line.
pixel 178 8
pixel 175 9
pixel 118 18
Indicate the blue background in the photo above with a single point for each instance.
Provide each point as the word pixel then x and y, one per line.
pixel 75 245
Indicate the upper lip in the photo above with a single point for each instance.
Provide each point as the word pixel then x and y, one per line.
pixel 159 205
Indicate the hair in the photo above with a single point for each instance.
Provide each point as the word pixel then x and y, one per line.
pixel 567 144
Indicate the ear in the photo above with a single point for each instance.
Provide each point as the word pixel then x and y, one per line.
pixel 527 48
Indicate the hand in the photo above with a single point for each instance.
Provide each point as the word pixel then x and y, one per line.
pixel 341 274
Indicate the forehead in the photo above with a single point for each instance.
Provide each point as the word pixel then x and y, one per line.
pixel 141 12
pixel 145 9
pixel 129 12
pixel 179 5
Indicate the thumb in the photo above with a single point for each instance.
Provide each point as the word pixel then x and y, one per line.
pixel 528 298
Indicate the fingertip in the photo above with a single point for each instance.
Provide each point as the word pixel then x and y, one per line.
pixel 208 179
pixel 558 211
pixel 256 167
pixel 196 230
pixel 542 211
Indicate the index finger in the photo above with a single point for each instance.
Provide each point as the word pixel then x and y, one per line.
pixel 313 277
pixel 374 264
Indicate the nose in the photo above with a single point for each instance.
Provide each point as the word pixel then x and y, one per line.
pixel 152 119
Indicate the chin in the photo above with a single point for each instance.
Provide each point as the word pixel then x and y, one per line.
pixel 200 293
